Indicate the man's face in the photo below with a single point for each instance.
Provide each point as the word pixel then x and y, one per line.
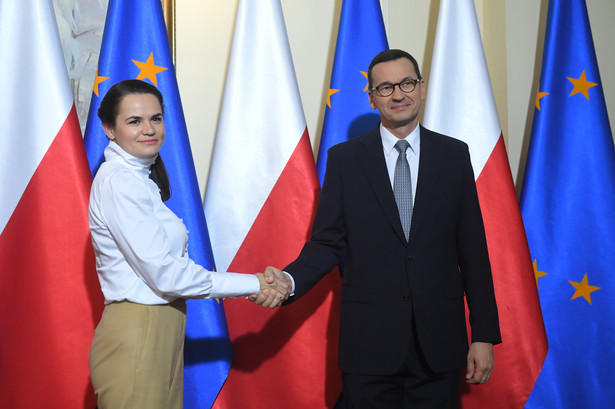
pixel 400 109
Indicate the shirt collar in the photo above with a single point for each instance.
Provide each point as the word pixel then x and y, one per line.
pixel 113 152
pixel 389 140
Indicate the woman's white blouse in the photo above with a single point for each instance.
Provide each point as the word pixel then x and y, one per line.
pixel 141 245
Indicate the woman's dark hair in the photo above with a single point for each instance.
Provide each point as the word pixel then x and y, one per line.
pixel 391 55
pixel 110 104
pixel 109 110
pixel 158 173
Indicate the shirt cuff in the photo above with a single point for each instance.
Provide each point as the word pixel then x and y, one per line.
pixel 292 280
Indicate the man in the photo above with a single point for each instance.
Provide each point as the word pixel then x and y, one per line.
pixel 406 223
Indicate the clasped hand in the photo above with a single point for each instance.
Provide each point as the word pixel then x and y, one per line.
pixel 275 287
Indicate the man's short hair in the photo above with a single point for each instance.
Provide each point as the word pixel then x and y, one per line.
pixel 391 55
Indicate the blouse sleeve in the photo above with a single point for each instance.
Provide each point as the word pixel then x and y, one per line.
pixel 129 213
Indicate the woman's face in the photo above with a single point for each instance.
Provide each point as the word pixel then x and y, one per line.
pixel 139 125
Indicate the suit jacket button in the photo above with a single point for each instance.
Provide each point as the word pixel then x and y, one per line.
pixel 405 296
pixel 409 257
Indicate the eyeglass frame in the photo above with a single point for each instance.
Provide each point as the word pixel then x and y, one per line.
pixel 414 81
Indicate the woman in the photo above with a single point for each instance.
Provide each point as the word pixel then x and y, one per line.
pixel 136 359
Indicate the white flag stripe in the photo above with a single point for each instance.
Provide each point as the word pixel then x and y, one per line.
pixel 459 77
pixel 33 103
pixel 258 129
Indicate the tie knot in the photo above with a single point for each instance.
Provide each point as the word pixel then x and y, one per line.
pixel 402 146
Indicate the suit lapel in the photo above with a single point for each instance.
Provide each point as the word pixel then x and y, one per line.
pixel 427 180
pixel 371 156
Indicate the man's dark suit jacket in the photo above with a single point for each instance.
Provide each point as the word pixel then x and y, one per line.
pixel 386 281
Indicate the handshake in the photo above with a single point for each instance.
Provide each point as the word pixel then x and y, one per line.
pixel 275 287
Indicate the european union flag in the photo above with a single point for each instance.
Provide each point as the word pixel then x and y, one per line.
pixel 360 37
pixel 136 46
pixel 568 205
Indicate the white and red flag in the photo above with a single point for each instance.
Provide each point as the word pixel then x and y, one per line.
pixel 49 294
pixel 460 103
pixel 260 202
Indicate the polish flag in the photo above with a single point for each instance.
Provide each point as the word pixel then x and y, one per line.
pixel 260 202
pixel 49 294
pixel 460 103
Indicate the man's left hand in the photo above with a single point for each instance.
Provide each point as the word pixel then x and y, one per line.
pixel 480 363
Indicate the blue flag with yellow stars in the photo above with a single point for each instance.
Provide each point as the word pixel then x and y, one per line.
pixel 136 46
pixel 568 207
pixel 360 37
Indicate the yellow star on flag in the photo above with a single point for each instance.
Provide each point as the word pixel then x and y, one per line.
pixel 98 80
pixel 366 85
pixel 581 85
pixel 583 289
pixel 149 69
pixel 539 96
pixel 331 92
pixel 537 274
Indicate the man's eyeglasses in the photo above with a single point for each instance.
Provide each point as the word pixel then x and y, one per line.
pixel 406 86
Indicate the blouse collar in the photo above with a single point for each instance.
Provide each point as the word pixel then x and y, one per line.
pixel 113 152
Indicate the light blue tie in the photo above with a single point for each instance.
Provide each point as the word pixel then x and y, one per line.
pixel 402 187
